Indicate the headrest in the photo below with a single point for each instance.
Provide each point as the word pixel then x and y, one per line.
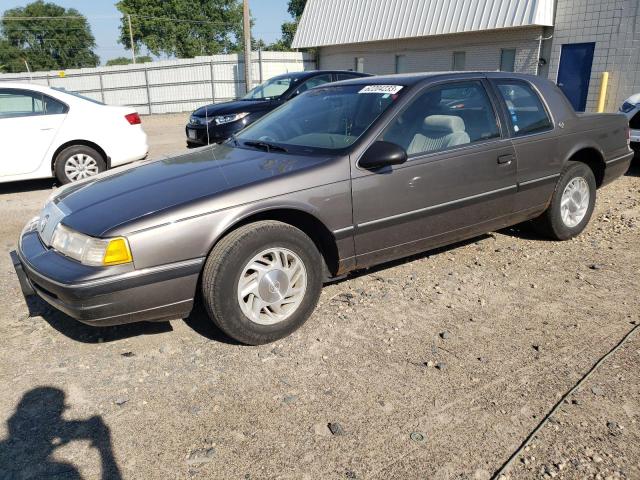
pixel 444 123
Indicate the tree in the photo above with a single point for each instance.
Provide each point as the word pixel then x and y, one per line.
pixel 182 28
pixel 288 29
pixel 127 60
pixel 46 36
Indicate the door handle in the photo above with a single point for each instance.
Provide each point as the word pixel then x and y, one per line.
pixel 44 129
pixel 506 159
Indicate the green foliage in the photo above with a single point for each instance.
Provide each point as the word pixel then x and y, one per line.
pixel 46 43
pixel 128 60
pixel 295 9
pixel 182 28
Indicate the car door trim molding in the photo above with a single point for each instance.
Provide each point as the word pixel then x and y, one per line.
pixel 342 232
pixel 431 208
pixel 621 157
pixel 538 180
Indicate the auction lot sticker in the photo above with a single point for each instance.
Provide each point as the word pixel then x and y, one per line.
pixel 390 89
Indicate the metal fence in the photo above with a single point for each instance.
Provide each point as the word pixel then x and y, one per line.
pixel 168 86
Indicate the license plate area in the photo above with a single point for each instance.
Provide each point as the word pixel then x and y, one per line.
pixel 191 134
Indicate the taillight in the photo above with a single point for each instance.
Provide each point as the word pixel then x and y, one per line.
pixel 133 119
pixel 628 135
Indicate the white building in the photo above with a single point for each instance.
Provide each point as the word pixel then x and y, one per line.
pixel 571 41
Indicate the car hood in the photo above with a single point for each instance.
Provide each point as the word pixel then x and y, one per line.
pixel 633 99
pixel 234 107
pixel 106 205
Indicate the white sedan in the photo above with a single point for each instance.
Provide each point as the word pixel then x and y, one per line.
pixel 47 132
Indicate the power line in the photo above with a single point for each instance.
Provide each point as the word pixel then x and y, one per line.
pixel 107 17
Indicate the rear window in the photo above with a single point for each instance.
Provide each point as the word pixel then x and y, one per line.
pixel 527 113
pixel 77 95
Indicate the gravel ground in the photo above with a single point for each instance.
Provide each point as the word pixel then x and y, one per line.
pixel 436 367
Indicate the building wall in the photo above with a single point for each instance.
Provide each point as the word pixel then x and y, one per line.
pixel 436 53
pixel 614 25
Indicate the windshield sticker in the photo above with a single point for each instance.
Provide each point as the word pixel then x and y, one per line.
pixel 384 89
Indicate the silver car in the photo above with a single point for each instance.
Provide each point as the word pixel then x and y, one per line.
pixel 343 177
pixel 631 108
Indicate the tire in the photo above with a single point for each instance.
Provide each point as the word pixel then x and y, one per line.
pixel 78 162
pixel 229 263
pixel 552 223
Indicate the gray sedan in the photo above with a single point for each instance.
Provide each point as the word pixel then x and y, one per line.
pixel 343 177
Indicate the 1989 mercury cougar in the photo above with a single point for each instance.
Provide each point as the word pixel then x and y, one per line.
pixel 343 177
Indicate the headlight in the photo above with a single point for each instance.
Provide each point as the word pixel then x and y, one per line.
pixel 232 117
pixel 197 120
pixel 89 250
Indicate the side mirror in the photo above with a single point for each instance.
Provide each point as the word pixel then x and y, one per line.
pixel 381 154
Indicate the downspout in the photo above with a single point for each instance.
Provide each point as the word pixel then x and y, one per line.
pixel 540 40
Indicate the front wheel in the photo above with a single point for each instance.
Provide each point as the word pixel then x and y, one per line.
pixel 571 205
pixel 262 281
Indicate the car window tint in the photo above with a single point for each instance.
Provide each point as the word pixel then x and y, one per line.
pixel 444 117
pixel 53 106
pixel 346 76
pixel 325 118
pixel 20 103
pixel 526 111
pixel 314 82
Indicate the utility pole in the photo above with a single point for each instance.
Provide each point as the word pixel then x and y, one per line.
pixel 246 25
pixel 133 47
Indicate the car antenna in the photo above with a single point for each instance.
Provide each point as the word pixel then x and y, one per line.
pixel 206 121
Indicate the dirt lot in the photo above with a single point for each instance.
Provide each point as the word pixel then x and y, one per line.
pixel 438 367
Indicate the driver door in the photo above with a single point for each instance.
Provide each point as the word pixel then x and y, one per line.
pixel 460 176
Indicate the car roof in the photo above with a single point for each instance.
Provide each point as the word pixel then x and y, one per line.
pixel 311 73
pixel 26 86
pixel 409 79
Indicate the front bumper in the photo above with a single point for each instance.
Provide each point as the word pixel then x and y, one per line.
pixel 197 134
pixel 101 297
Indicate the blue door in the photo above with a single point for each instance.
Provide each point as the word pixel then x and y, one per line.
pixel 574 73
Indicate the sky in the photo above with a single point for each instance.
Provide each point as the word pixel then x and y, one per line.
pixel 103 16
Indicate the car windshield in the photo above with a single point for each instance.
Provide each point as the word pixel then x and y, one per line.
pixel 270 89
pixel 77 95
pixel 325 118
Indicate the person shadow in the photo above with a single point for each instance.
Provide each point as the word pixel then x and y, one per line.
pixel 36 429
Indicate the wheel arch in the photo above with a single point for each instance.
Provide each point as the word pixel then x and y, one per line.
pixel 593 157
pixel 72 143
pixel 307 222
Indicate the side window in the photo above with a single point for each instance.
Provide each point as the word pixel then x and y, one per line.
pixel 634 123
pixel 314 82
pixel 345 76
pixel 53 106
pixel 526 111
pixel 444 117
pixel 20 103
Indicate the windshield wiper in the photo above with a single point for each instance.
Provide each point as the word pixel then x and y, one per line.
pixel 265 145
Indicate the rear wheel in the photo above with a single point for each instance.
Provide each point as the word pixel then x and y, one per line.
pixel 571 205
pixel 77 163
pixel 262 282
